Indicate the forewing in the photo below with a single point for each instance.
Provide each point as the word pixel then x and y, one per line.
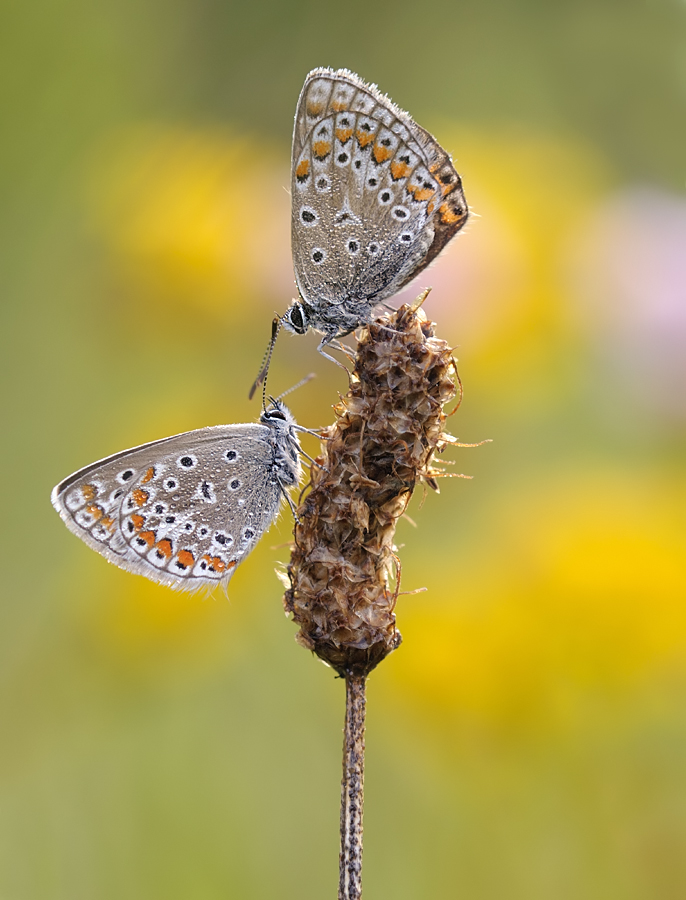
pixel 183 511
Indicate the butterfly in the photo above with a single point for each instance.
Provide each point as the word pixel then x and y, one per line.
pixel 186 510
pixel 375 198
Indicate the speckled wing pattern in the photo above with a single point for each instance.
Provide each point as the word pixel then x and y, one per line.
pixel 374 196
pixel 186 510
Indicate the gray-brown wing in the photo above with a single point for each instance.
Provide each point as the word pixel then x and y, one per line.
pixel 183 511
pixel 374 196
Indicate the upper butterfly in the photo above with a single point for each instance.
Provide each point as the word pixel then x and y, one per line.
pixel 186 510
pixel 375 199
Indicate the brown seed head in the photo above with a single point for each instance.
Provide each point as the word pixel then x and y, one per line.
pixel 388 426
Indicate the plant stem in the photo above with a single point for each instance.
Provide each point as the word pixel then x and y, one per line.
pixel 352 789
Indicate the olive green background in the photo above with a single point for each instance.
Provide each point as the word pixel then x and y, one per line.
pixel 528 740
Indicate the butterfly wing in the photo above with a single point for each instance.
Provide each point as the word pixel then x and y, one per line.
pixel 371 183
pixel 183 511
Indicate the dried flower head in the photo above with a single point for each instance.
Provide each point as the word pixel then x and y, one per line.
pixel 389 425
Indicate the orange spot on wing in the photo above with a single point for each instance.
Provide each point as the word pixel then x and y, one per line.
pixel 148 537
pixel 420 193
pixel 302 169
pixel 95 511
pixel 322 149
pixel 399 169
pixel 344 134
pixel 164 547
pixel 314 108
pixel 149 475
pixel 215 563
pixel 338 105
pixel 186 558
pixel 430 208
pixel 140 497
pixel 449 216
pixel 138 521
pixel 381 153
pixel 363 137
pixel 89 492
pixel 108 522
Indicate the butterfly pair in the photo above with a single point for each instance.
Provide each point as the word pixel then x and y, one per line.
pixel 375 198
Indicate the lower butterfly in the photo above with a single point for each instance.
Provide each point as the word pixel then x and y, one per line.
pixel 185 511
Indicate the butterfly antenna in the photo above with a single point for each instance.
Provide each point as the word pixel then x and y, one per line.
pixel 266 360
pixel 295 387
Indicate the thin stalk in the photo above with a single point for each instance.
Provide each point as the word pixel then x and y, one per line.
pixel 352 789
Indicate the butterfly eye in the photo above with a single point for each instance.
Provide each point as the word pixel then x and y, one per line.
pixel 296 318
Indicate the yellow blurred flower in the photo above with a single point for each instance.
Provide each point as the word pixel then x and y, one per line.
pixel 197 218
pixel 579 589
pixel 500 288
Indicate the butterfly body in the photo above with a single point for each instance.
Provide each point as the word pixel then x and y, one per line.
pixel 186 510
pixel 374 197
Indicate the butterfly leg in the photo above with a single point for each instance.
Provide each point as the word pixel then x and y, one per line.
pixel 318 433
pixel 313 461
pixel 343 348
pixel 329 340
pixel 289 500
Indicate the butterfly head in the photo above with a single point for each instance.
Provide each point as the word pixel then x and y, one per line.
pixel 276 413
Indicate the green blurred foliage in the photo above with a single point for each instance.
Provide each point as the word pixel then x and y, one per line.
pixel 528 739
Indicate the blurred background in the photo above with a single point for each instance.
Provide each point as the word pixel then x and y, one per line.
pixel 528 740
